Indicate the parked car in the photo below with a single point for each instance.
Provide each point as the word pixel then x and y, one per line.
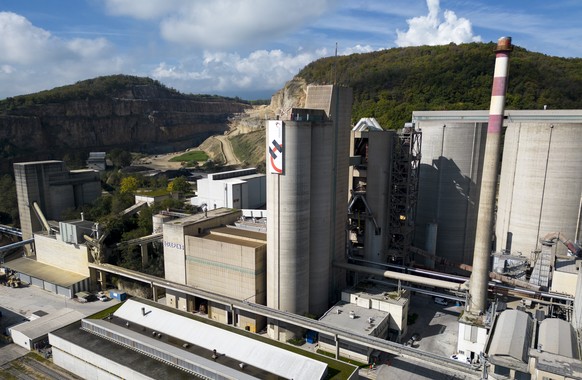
pixel 102 297
pixel 441 301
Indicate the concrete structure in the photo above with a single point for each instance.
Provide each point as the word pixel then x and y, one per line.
pixel 167 344
pixel 150 199
pixel 565 277
pixel 540 187
pixel 55 189
pixel 62 258
pixel 206 252
pixel 97 161
pixel 471 338
pixel 358 320
pixel 307 184
pixel 396 303
pixel 232 262
pixel 383 180
pixel 369 310
pixel 450 176
pixel 509 344
pixel 33 334
pixel 452 161
pixel 371 151
pixel 557 355
pixel 243 188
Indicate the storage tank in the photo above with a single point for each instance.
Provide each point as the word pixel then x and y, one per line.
pixel 288 215
pixel 541 179
pixel 453 145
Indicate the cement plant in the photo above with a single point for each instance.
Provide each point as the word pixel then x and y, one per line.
pixel 450 248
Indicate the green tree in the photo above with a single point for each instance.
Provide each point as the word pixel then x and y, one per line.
pixel 120 158
pixel 128 185
pixel 179 184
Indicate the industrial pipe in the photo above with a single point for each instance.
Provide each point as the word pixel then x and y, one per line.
pixel 482 253
pixel 401 276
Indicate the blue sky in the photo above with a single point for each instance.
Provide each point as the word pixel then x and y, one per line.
pixel 250 48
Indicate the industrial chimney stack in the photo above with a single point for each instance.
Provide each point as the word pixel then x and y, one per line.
pixel 485 216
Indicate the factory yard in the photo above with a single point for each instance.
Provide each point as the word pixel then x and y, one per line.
pixel 437 325
pixel 16 304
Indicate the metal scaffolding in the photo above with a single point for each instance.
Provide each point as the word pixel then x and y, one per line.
pixel 404 192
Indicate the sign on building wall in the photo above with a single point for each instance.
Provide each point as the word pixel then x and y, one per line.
pixel 275 153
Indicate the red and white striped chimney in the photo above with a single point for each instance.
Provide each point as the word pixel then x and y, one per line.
pixel 482 253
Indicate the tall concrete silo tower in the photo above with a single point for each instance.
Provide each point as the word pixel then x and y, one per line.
pixel 453 144
pixel 540 188
pixel 307 170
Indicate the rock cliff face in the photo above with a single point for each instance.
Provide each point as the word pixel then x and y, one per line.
pixel 141 118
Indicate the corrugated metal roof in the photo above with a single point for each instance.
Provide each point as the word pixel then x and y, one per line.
pixel 558 337
pixel 48 323
pixel 275 360
pixel 45 272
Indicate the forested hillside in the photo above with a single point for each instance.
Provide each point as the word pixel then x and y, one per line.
pixel 390 84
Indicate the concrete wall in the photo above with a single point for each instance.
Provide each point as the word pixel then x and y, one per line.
pixel 449 180
pixel 226 268
pixel 32 185
pixel 70 257
pixel 466 346
pixel 564 282
pixel 540 185
pixel 87 364
pixel 174 239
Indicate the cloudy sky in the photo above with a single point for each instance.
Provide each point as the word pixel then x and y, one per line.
pixel 250 48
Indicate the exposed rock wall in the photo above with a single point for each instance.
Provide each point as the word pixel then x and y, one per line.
pixel 143 119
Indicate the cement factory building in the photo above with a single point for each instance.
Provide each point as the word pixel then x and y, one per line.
pixel 307 193
pixel 539 189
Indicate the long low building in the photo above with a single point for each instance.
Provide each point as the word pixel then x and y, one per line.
pixel 143 340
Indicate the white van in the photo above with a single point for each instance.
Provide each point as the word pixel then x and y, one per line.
pixel 441 301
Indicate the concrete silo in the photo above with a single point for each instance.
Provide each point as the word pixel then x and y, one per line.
pixel 451 164
pixel 541 179
pixel 307 168
pixel 288 197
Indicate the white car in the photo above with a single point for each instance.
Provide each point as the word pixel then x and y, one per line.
pixel 102 297
pixel 461 358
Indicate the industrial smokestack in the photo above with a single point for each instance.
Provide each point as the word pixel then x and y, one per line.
pixel 482 253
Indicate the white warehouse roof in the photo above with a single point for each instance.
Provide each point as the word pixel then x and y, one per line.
pixel 48 323
pixel 272 359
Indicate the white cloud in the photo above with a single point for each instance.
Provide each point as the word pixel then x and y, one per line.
pixel 222 23
pixel 223 71
pixel 32 59
pixel 432 30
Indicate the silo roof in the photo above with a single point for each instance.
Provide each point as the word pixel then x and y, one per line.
pixel 511 340
pixel 558 337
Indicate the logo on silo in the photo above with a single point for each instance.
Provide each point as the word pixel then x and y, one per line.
pixel 275 154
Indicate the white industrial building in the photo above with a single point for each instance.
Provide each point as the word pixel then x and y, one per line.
pixel 243 188
pixel 33 334
pixel 366 309
pixel 143 340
